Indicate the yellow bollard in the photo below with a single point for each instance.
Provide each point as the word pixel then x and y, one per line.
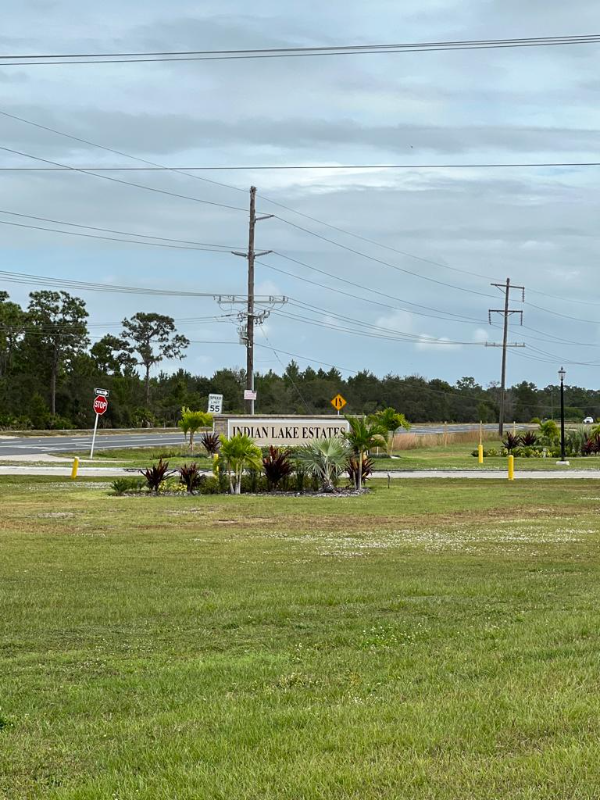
pixel 75 468
pixel 480 453
pixel 511 468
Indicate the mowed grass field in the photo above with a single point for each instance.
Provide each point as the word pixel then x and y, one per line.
pixel 438 639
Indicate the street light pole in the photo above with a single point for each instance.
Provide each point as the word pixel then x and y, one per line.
pixel 561 375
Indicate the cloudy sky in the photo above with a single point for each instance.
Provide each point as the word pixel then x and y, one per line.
pixel 438 237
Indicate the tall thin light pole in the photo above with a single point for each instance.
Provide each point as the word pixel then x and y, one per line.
pixel 561 375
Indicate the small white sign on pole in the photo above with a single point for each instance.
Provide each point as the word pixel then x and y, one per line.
pixel 215 403
pixel 249 394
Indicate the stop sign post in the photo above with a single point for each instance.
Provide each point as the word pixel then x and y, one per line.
pixel 100 406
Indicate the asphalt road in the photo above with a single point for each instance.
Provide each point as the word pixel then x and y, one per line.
pixel 54 445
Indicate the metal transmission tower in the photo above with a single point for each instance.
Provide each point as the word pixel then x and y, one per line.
pixel 506 312
pixel 250 317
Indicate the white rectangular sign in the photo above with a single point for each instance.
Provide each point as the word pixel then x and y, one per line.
pixel 249 394
pixel 215 403
pixel 286 432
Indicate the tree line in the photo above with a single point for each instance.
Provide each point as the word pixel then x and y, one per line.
pixel 50 366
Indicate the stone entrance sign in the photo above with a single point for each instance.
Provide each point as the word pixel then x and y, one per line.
pixel 282 431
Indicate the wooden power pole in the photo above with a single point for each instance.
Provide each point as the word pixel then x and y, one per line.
pixel 250 316
pixel 250 313
pixel 506 313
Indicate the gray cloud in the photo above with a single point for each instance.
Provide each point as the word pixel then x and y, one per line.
pixel 539 227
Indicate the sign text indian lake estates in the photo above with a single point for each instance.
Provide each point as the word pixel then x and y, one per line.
pixel 290 432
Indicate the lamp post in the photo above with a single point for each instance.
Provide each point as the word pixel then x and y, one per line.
pixel 561 375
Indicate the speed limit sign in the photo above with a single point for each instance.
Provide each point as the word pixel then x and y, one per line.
pixel 215 403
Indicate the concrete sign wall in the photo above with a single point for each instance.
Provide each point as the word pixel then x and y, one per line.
pixel 282 431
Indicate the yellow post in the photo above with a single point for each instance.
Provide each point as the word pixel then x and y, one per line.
pixel 480 432
pixel 75 468
pixel 445 434
pixel 514 428
pixel 480 453
pixel 511 468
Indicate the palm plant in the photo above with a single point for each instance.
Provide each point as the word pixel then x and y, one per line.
pixel 362 437
pixel 192 421
pixel 390 420
pixel 239 453
pixel 325 459
pixel 549 431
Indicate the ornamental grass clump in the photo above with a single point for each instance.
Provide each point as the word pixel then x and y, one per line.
pixel 211 443
pixel 353 471
pixel 277 466
pixel 156 474
pixel 190 477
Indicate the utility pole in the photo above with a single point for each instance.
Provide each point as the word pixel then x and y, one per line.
pixel 247 330
pixel 506 313
pixel 250 314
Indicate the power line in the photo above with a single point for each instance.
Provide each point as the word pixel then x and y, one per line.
pixel 398 337
pixel 379 260
pixel 195 244
pixel 152 164
pixel 438 313
pixel 125 183
pixel 112 238
pixel 66 283
pixel 314 167
pixel 292 52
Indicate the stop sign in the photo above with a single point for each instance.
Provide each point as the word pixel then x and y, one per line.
pixel 100 404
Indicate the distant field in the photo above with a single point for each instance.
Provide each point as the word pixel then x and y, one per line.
pixel 432 640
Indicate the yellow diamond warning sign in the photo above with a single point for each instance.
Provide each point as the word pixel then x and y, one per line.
pixel 338 402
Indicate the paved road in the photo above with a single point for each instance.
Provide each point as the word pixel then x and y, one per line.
pixel 54 445
pixel 38 445
pixel 117 472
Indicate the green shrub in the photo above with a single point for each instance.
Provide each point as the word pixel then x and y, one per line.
pixel 121 486
pixel 212 485
pixel 172 486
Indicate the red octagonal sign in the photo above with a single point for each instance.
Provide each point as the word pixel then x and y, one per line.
pixel 100 404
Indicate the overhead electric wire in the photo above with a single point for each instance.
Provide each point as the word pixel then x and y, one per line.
pixel 379 260
pixel 226 247
pixel 439 313
pixel 292 52
pixel 364 325
pixel 152 164
pixel 184 170
pixel 281 364
pixel 126 183
pixel 399 337
pixel 113 238
pixel 67 283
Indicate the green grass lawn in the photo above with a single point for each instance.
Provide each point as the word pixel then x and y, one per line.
pixel 432 640
pixel 454 456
